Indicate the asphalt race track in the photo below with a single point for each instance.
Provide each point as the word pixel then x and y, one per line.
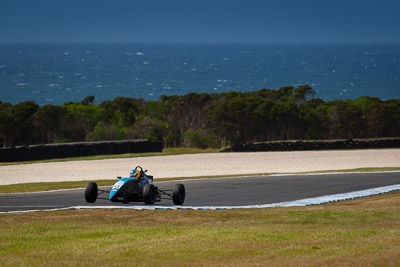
pixel 220 192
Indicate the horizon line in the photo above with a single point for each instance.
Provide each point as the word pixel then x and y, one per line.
pixel 196 42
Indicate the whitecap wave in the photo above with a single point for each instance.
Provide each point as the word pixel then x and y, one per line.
pixel 53 85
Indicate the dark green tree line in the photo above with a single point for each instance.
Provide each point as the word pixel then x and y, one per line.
pixel 202 120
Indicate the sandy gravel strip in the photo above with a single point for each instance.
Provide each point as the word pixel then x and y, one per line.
pixel 202 165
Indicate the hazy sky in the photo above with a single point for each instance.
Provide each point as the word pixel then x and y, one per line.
pixel 200 20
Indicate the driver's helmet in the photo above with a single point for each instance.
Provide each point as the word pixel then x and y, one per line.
pixel 134 174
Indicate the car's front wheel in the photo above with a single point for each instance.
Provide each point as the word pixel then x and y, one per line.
pixel 91 192
pixel 149 194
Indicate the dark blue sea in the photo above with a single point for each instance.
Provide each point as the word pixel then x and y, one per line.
pixel 61 72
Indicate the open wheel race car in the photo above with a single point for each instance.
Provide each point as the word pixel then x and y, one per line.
pixel 139 187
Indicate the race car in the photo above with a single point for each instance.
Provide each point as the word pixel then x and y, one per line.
pixel 139 187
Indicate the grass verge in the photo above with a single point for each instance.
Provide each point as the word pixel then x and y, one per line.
pixel 36 187
pixel 362 232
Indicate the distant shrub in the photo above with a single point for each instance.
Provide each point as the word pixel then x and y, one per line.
pixel 200 139
pixel 104 132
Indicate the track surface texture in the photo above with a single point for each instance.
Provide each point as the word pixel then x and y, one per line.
pixel 220 191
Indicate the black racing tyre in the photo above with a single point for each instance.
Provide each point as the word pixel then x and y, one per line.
pixel 91 192
pixel 149 194
pixel 178 195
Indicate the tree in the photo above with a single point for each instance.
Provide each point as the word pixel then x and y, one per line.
pixel 147 128
pixel 315 116
pixel 104 131
pixel 285 93
pixel 392 108
pixel 80 120
pixel 228 117
pixel 89 100
pixel 302 94
pixel 346 120
pixel 123 111
pixel 6 124
pixel 200 139
pixel 48 119
pixel 23 115
pixel 288 123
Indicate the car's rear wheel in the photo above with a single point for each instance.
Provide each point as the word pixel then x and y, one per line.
pixel 178 194
pixel 91 192
pixel 149 194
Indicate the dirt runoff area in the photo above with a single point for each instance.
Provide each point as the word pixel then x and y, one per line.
pixel 192 165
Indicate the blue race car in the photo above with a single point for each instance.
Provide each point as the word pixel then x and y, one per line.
pixel 138 187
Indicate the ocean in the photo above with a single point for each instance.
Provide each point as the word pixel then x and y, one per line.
pixel 54 73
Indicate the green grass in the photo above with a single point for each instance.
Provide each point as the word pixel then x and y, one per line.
pixel 363 232
pixel 165 152
pixel 46 186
